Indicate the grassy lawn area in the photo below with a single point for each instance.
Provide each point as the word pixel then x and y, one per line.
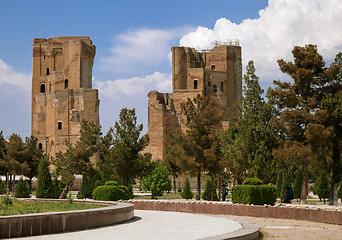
pixel 20 207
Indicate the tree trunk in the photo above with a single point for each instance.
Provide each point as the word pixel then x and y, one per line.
pixel 304 192
pixel 65 191
pixel 198 195
pixel 174 184
pixel 333 196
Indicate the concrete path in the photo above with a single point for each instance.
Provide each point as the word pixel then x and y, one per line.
pixel 156 225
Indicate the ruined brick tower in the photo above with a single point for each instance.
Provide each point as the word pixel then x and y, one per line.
pixel 62 93
pixel 216 73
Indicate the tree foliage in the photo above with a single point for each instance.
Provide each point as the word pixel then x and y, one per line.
pixel 186 193
pixel 125 154
pixel 45 186
pixel 157 181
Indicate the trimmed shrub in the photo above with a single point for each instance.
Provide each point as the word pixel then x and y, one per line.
pixel 186 193
pixel 252 181
pixel 209 187
pixel 22 190
pixel 254 194
pixel 111 183
pixel 111 193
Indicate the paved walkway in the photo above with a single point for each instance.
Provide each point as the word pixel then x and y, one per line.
pixel 156 225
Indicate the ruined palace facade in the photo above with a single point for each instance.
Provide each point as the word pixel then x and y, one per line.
pixel 62 93
pixel 216 73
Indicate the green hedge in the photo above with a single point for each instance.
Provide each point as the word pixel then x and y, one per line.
pixel 254 194
pixel 252 181
pixel 111 193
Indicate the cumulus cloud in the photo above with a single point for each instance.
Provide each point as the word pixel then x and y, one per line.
pixel 136 50
pixel 115 89
pixel 11 80
pixel 282 25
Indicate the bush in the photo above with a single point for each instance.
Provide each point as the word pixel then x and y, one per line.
pixel 111 183
pixel 111 193
pixel 22 190
pixel 209 187
pixel 254 194
pixel 297 185
pixel 186 193
pixel 252 181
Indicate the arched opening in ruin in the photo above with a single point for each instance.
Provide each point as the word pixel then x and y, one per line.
pixel 222 87
pixel 215 88
pixel 40 146
pixel 213 67
pixel 42 88
pixel 47 71
pixel 59 125
pixel 195 84
pixel 66 83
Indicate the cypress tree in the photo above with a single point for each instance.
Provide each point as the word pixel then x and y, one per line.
pixel 279 182
pixel 209 187
pixel 323 186
pixel 297 185
pixel 86 190
pixel 285 189
pixel 186 193
pixel 44 188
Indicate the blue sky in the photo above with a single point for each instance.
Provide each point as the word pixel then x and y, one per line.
pixel 133 40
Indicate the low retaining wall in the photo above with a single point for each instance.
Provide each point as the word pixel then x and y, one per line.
pixel 57 222
pixel 332 216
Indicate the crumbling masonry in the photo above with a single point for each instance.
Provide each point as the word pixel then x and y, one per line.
pixel 216 73
pixel 62 93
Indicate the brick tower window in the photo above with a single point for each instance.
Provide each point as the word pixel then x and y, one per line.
pixel 40 146
pixel 195 84
pixel 59 125
pixel 42 88
pixel 213 67
pixel 222 87
pixel 66 83
pixel 47 71
pixel 209 84
pixel 215 88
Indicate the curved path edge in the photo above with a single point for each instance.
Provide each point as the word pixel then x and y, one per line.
pixel 58 222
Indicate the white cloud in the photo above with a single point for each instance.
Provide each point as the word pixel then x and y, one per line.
pixel 281 25
pixel 115 89
pixel 11 80
pixel 139 49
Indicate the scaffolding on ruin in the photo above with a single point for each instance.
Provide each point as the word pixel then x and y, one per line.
pixel 216 43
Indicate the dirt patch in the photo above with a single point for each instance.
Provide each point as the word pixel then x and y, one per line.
pixel 272 228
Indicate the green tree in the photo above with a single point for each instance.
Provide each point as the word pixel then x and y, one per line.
pixel 76 159
pixel 13 160
pixel 186 193
pixel 299 104
pixel 297 185
pixel 256 134
pixel 22 190
pixel 209 193
pixel 157 181
pixel 32 156
pixel 285 188
pixel 44 187
pixel 279 182
pixel 86 189
pixel 125 157
pixel 198 141
pixel 322 186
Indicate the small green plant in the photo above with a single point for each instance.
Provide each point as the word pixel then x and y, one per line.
pixel 2 188
pixel 186 193
pixel 6 200
pixel 179 190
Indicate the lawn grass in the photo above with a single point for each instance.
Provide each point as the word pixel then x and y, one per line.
pixel 19 207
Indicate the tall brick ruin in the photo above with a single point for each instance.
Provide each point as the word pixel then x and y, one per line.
pixel 62 93
pixel 216 73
